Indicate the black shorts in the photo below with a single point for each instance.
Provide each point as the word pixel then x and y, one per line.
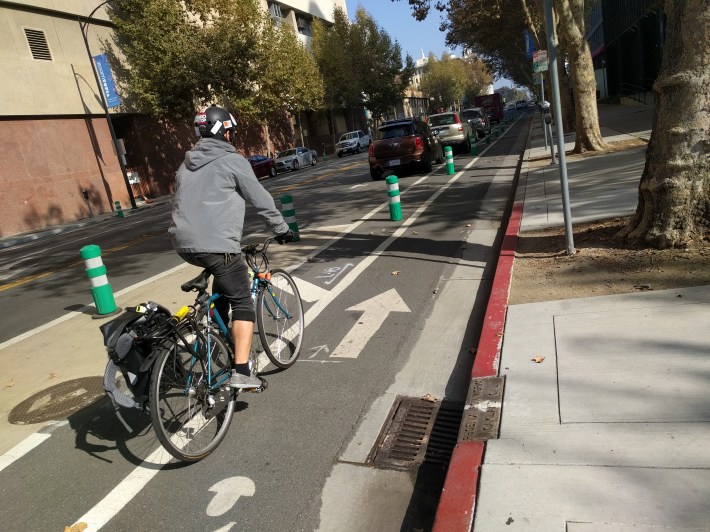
pixel 231 281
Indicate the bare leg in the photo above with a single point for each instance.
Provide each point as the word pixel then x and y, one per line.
pixel 242 332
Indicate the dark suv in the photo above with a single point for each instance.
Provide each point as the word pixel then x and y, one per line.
pixel 404 143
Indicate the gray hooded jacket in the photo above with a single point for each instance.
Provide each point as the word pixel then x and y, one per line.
pixel 213 184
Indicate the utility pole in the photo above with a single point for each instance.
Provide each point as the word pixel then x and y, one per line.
pixel 84 30
pixel 552 52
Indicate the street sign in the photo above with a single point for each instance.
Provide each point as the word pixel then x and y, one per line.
pixel 537 77
pixel 540 61
pixel 529 44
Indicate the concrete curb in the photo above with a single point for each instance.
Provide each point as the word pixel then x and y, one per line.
pixel 458 498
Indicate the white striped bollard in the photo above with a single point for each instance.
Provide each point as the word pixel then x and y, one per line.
pixel 449 156
pixel 289 214
pixel 100 288
pixel 393 193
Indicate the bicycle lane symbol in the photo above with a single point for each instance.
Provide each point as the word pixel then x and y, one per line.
pixel 227 492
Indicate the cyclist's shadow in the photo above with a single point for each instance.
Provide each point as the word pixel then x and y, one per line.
pixel 102 435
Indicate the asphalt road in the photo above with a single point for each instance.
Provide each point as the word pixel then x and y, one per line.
pixel 269 472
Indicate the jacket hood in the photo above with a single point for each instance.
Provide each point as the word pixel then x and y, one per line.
pixel 206 151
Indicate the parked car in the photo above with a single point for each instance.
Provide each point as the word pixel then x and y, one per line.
pixel 478 120
pixel 263 166
pixel 452 131
pixel 405 143
pixel 352 142
pixel 294 159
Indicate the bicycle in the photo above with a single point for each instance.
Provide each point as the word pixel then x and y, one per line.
pixel 178 366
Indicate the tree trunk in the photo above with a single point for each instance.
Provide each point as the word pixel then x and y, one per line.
pixel 566 97
pixel 674 192
pixel 571 25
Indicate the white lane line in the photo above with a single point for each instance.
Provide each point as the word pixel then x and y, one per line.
pixel 22 448
pixel 89 306
pixel 124 492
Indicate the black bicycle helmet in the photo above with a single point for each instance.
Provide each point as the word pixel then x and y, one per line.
pixel 214 122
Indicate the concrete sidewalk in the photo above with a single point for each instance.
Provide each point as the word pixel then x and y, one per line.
pixel 610 431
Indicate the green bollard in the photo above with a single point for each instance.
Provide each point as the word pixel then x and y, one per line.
pixel 449 156
pixel 100 288
pixel 119 210
pixel 289 214
pixel 393 193
pixel 474 147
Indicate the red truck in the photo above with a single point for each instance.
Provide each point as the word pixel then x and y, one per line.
pixel 492 104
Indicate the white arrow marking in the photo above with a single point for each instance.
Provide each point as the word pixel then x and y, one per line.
pixel 227 527
pixel 309 292
pixel 375 312
pixel 227 493
pixel 318 349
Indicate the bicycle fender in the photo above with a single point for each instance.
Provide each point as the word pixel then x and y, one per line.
pixel 150 360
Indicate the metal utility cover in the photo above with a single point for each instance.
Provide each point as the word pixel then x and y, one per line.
pixel 481 418
pixel 58 401
pixel 417 431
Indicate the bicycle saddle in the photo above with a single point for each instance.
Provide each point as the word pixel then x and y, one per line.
pixel 198 284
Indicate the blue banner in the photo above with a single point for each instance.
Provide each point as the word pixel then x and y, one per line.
pixel 529 44
pixel 106 80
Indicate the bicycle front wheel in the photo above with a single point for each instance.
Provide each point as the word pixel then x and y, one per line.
pixel 190 407
pixel 279 318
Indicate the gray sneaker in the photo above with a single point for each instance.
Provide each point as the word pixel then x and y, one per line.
pixel 242 382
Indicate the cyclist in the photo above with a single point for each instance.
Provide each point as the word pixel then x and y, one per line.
pixel 213 185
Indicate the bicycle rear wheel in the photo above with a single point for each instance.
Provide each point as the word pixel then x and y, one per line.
pixel 190 412
pixel 279 318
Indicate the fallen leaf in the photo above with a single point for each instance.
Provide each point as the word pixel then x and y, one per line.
pixel 468 225
pixel 434 291
pixel 429 397
pixel 396 272
pixel 538 359
pixel 414 233
pixel 10 384
pixel 52 375
pixel 78 527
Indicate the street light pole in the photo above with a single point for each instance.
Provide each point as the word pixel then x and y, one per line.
pixel 83 26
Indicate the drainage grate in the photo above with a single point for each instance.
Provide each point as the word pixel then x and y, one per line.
pixel 481 419
pixel 58 401
pixel 417 432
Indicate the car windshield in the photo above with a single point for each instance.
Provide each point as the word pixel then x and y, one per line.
pixel 287 153
pixel 348 136
pixel 392 132
pixel 470 115
pixel 442 120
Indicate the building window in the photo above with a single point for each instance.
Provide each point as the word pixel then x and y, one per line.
pixel 304 25
pixel 275 10
pixel 38 44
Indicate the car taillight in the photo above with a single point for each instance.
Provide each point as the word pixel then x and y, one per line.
pixel 371 150
pixel 418 143
pixel 460 127
pixel 456 117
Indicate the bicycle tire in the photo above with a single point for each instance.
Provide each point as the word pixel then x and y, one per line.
pixel 179 407
pixel 281 337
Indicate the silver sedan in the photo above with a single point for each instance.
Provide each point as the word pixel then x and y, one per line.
pixel 294 159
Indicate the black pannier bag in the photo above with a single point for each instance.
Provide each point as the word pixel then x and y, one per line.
pixel 132 341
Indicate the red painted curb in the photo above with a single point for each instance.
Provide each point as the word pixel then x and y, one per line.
pixel 457 505
pixel 455 510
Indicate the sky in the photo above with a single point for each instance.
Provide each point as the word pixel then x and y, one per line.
pixel 413 36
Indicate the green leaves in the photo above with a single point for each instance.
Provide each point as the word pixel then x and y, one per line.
pixel 452 80
pixel 360 64
pixel 180 56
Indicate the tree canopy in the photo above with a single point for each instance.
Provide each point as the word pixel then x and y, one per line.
pixel 180 55
pixel 452 81
pixel 360 63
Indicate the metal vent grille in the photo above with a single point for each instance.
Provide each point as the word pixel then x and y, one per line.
pixel 38 44
pixel 417 432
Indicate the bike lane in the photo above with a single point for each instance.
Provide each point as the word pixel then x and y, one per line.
pixel 282 443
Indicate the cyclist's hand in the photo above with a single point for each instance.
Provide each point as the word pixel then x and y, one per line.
pixel 288 236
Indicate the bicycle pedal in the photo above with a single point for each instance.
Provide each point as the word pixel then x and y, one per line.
pixel 264 386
